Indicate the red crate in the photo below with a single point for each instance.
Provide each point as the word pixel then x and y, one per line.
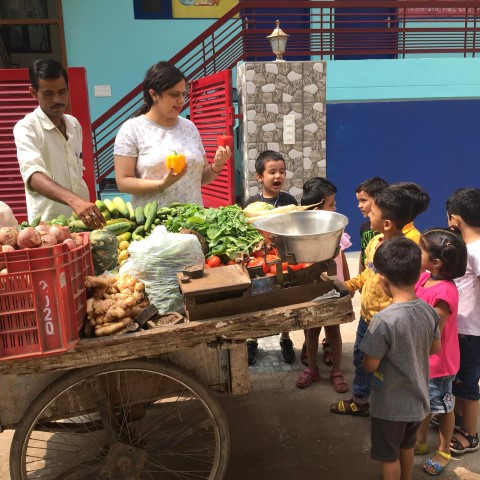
pixel 42 299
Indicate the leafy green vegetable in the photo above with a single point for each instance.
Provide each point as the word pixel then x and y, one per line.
pixel 225 228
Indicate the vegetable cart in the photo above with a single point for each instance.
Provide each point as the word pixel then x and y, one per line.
pixel 113 408
pixel 127 406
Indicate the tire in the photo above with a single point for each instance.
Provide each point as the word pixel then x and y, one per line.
pixel 137 419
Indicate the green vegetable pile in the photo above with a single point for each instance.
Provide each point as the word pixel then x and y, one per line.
pixel 224 228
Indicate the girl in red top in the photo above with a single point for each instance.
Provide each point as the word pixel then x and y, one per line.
pixel 444 257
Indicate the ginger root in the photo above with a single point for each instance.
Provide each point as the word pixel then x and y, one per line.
pixel 113 301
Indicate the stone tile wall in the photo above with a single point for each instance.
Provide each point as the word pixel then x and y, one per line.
pixel 266 92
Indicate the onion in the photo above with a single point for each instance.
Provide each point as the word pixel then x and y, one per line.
pixel 48 240
pixel 8 236
pixel 3 271
pixel 61 233
pixel 78 239
pixel 7 248
pixel 70 243
pixel 42 228
pixel 29 238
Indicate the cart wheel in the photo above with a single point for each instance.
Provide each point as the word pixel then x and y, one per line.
pixel 131 420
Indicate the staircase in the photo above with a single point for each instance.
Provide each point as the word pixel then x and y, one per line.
pixel 320 30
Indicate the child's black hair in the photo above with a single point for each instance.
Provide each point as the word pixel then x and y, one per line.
pixel 399 260
pixel 396 205
pixel 448 247
pixel 372 186
pixel 265 157
pixel 316 189
pixel 421 199
pixel 465 202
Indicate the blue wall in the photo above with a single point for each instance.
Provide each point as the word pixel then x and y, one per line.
pixel 433 143
pixel 116 49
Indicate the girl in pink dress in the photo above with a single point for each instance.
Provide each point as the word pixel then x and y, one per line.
pixel 444 258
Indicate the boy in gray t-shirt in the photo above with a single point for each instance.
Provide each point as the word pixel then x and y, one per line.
pixel 397 345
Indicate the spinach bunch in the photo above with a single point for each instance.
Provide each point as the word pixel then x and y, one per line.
pixel 224 228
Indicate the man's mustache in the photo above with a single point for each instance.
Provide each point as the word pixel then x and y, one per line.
pixel 58 105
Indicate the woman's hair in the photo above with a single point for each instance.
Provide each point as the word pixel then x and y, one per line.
pixel 420 197
pixel 159 77
pixel 316 190
pixel 449 248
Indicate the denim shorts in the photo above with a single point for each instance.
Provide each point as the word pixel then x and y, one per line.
pixel 465 384
pixel 441 398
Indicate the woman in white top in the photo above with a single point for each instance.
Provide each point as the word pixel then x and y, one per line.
pixel 144 142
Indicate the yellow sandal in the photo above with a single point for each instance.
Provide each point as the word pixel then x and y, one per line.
pixel 421 449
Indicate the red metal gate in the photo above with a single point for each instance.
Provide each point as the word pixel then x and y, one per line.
pixel 212 111
pixel 15 103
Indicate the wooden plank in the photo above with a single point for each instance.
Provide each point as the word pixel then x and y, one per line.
pixel 239 373
pixel 151 343
pixel 221 279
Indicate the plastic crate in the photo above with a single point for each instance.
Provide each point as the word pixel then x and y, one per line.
pixel 43 299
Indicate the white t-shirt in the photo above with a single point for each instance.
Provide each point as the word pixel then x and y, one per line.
pixel 469 293
pixel 150 144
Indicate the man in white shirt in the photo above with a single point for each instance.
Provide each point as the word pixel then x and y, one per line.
pixel 49 150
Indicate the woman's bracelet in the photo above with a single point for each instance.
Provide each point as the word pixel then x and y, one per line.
pixel 213 170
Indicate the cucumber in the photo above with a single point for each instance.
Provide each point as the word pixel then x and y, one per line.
pixel 138 233
pixel 131 211
pixel 101 205
pixel 139 216
pixel 78 226
pixel 111 208
pixel 118 228
pixel 146 210
pixel 36 220
pixel 120 220
pixel 121 206
pixel 150 216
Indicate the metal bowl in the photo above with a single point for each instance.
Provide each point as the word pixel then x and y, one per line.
pixel 310 236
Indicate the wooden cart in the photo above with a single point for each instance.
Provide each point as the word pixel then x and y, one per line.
pixel 118 408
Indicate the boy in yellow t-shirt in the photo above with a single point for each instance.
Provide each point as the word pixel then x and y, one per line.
pixel 421 200
pixel 391 210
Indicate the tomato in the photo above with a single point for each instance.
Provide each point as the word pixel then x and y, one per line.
pixel 207 266
pixel 231 262
pixel 305 265
pixel 271 258
pixel 297 266
pixel 214 261
pixel 259 262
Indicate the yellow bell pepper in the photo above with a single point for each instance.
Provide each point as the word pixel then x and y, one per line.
pixel 175 162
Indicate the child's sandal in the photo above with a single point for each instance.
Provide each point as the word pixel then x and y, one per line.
pixel 457 447
pixel 434 468
pixel 307 377
pixel 421 449
pixel 350 407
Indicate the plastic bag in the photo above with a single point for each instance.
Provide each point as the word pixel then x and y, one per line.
pixel 6 216
pixel 156 261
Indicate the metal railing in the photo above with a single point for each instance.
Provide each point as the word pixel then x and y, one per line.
pixel 334 30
